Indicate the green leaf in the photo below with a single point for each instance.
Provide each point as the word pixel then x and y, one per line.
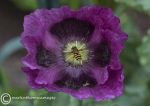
pixel 144 52
pixel 89 102
pixel 9 48
pixel 75 4
pixel 61 99
pixel 129 100
pixel 40 93
pixel 87 2
pixel 129 56
pixel 21 103
pixel 74 102
pixel 105 103
pixel 26 4
pixel 3 79
pixel 141 5
pixel 105 3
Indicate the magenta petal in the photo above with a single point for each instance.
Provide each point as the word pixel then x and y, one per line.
pixel 47 76
pixel 116 44
pixel 101 74
pixel 32 26
pixel 29 43
pixel 96 38
pixel 29 61
pixel 32 74
pixel 47 32
pixel 83 93
pixel 112 88
pixel 36 25
pixel 50 42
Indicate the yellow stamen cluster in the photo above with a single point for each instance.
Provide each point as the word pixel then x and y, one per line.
pixel 75 53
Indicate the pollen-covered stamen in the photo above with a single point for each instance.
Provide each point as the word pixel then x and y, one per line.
pixel 76 53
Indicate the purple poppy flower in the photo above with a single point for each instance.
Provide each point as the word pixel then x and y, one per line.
pixel 76 52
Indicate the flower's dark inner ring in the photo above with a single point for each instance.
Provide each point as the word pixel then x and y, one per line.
pixel 44 57
pixel 76 83
pixel 72 27
pixel 102 54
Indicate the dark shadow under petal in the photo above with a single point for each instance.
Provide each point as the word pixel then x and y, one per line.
pixel 72 27
pixel 102 54
pixel 83 80
pixel 44 57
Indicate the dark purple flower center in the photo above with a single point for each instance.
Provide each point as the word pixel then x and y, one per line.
pixel 44 57
pixel 83 80
pixel 78 28
pixel 102 54
pixel 72 27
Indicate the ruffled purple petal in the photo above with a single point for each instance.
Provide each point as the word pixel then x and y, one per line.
pixel 83 93
pixel 43 78
pixel 100 74
pixel 107 27
pixel 112 88
pixel 116 45
pixel 48 76
pixel 32 74
pixel 47 31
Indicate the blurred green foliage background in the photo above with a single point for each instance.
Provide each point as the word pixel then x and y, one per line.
pixel 135 21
